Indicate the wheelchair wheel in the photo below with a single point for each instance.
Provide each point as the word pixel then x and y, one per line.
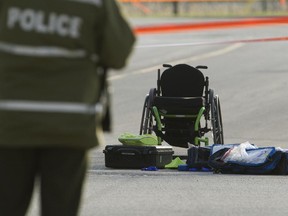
pixel 216 119
pixel 146 126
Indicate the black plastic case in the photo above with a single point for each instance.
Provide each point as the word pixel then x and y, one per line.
pixel 137 157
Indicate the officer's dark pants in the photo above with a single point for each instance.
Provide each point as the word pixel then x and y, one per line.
pixel 61 173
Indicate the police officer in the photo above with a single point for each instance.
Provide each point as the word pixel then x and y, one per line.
pixel 50 52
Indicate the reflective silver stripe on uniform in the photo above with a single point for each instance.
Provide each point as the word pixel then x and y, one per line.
pixel 94 2
pixel 52 107
pixel 40 51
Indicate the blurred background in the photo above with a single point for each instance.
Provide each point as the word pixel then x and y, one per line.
pixel 204 8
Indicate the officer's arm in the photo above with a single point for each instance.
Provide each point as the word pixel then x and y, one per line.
pixel 118 38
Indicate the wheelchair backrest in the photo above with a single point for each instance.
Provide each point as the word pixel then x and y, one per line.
pixel 182 80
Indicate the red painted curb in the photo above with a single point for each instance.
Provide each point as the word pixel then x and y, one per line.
pixel 210 25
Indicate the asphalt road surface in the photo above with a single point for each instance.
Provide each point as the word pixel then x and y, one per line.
pixel 251 80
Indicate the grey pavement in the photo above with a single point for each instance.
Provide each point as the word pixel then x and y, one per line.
pixel 251 80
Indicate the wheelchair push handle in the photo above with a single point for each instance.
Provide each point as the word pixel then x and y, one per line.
pixel 198 67
pixel 201 67
pixel 167 65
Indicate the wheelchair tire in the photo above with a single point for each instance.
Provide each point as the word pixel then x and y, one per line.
pixel 146 126
pixel 145 113
pixel 216 119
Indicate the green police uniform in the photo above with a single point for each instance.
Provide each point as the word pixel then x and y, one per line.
pixel 49 55
pixel 50 52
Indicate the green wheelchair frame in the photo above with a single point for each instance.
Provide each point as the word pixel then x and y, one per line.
pixel 197 139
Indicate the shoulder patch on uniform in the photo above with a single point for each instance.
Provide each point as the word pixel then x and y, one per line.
pixel 94 2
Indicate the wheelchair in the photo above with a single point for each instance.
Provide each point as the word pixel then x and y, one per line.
pixel 182 110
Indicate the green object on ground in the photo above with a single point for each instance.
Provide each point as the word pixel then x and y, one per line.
pixel 174 163
pixel 138 140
